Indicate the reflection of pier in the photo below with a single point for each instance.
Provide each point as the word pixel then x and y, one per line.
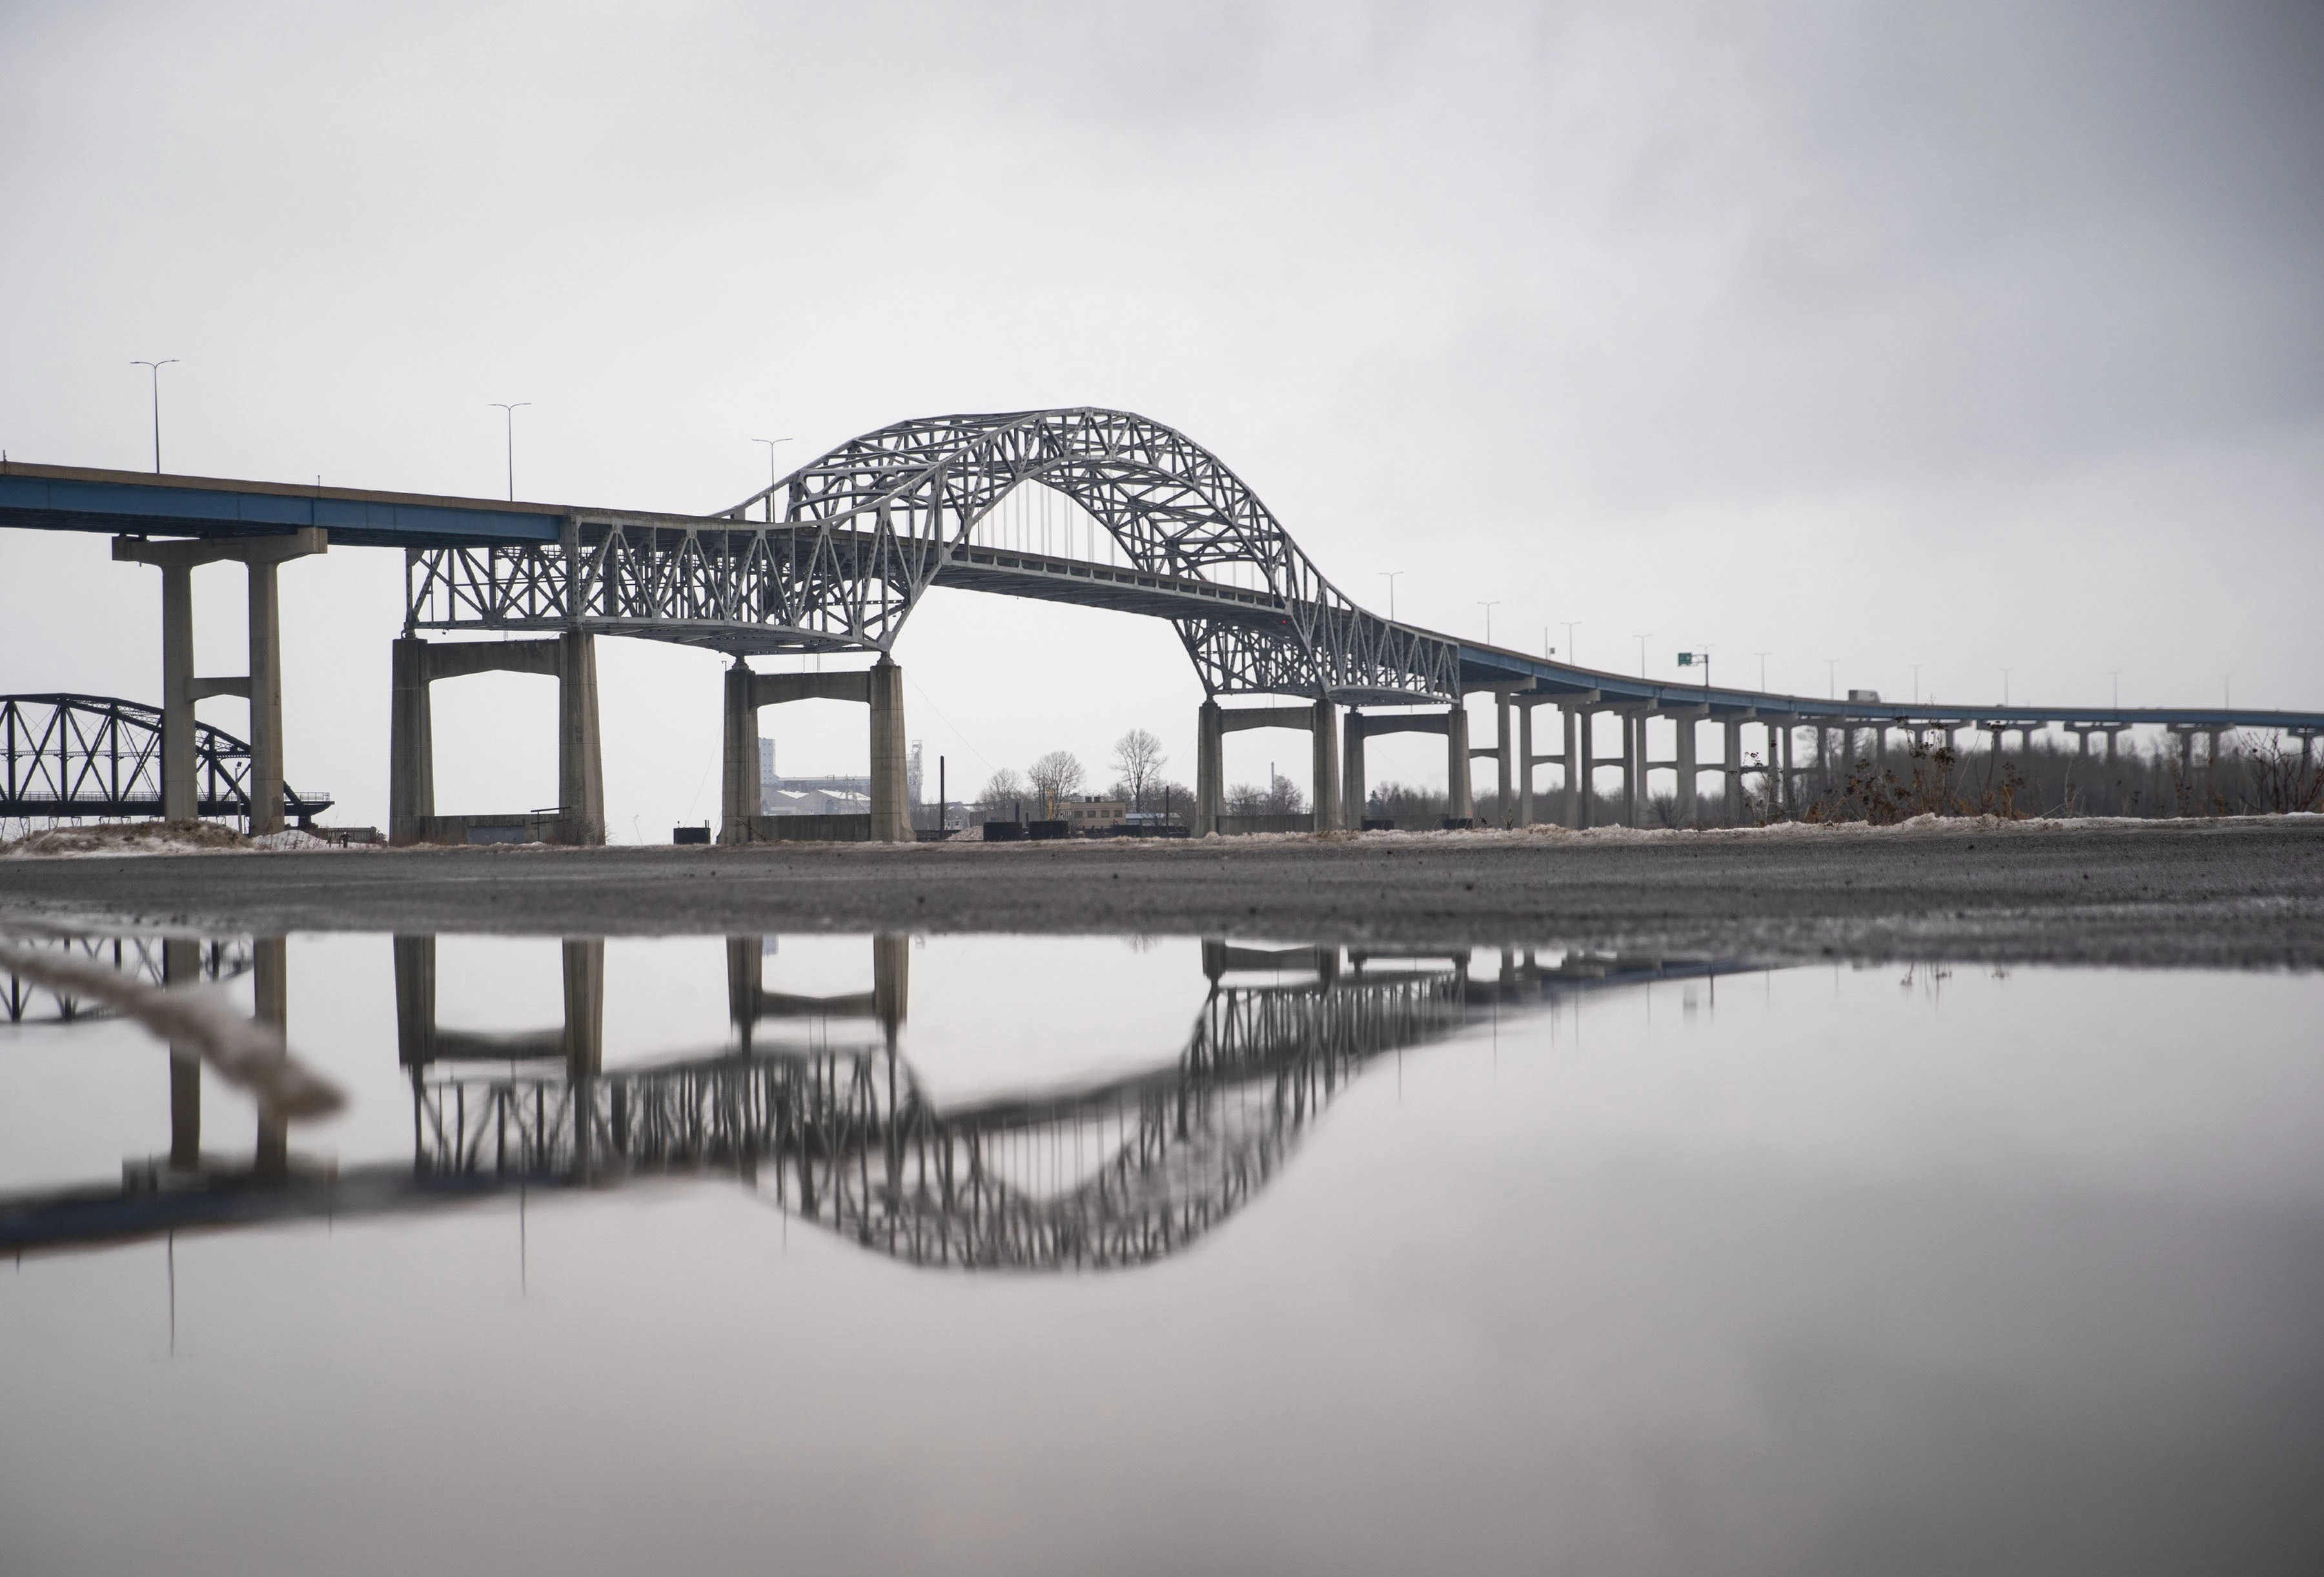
pixel 814 1107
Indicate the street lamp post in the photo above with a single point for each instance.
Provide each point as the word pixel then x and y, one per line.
pixel 1389 575
pixel 1571 656
pixel 1763 657
pixel 1489 608
pixel 508 412
pixel 1642 641
pixel 771 477
pixel 157 367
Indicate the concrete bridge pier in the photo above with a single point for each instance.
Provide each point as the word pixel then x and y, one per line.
pixel 1505 787
pixel 880 687
pixel 1787 789
pixel 1320 720
pixel 1526 761
pixel 1684 801
pixel 415 665
pixel 1353 791
pixel 1576 723
pixel 1325 766
pixel 1634 768
pixel 1460 803
pixel 1731 754
pixel 1210 767
pixel 261 686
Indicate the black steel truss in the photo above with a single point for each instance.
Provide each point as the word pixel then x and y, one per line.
pixel 71 755
pixel 834 557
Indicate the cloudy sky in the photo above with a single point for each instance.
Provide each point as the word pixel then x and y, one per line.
pixel 1970 336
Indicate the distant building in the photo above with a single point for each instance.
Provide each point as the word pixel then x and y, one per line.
pixel 828 796
pixel 1082 812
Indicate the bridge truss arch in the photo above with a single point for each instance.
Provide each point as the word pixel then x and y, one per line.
pixel 68 755
pixel 834 557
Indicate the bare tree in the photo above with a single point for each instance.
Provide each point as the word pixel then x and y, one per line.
pixel 1138 758
pixel 1002 790
pixel 1055 776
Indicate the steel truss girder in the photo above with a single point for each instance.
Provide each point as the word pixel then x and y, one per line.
pixel 834 557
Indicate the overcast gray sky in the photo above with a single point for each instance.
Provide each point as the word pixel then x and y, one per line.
pixel 1970 336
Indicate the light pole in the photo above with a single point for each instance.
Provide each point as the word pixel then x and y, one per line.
pixel 1763 657
pixel 770 443
pixel 157 367
pixel 1642 641
pixel 1571 656
pixel 508 412
pixel 2116 675
pixel 1489 608
pixel 1916 683
pixel 1832 678
pixel 1389 575
pixel 2005 686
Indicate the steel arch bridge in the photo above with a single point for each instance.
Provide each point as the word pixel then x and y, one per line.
pixel 834 557
pixel 75 755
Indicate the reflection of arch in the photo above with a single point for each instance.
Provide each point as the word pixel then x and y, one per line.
pixel 1120 1174
pixel 72 755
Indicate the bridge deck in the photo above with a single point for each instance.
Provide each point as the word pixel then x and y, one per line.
pixel 138 503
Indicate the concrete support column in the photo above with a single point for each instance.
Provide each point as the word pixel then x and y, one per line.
pixel 1505 789
pixel 892 982
pixel 744 972
pixel 1577 767
pixel 1210 769
pixel 1731 753
pixel 181 967
pixel 270 983
pixel 738 774
pixel 585 1005
pixel 1786 789
pixel 1325 788
pixel 411 744
pixel 415 1000
pixel 1524 766
pixel 1459 802
pixel 180 794
pixel 1634 788
pixel 1352 792
pixel 1684 801
pixel 891 811
pixel 580 759
pixel 265 700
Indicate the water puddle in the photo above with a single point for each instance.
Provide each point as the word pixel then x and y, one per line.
pixel 1031 1254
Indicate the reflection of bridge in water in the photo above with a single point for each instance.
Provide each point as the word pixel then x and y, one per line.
pixel 814 1106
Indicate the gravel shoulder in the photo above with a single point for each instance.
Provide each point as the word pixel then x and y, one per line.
pixel 2230 893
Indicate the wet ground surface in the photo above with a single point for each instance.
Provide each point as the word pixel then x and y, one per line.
pixel 1067 1253
pixel 2231 892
